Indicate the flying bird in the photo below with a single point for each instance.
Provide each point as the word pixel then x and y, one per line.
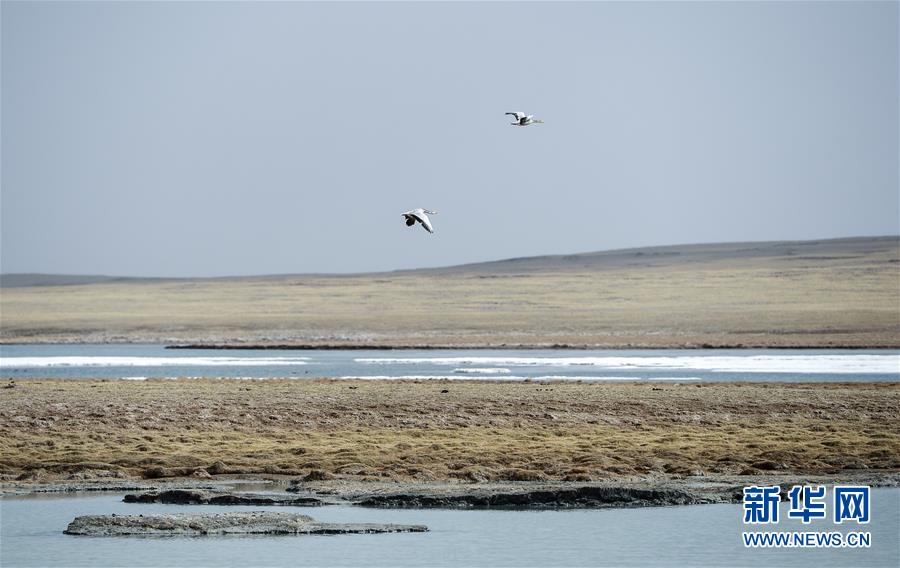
pixel 523 119
pixel 421 216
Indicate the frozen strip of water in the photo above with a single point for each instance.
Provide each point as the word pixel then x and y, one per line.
pixel 834 364
pixel 470 377
pixel 88 361
pixel 117 361
pixel 516 378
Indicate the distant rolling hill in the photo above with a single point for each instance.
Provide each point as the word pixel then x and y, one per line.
pixel 824 293
pixel 600 260
pixel 24 280
pixel 687 254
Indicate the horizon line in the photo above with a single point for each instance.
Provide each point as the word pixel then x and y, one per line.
pixel 443 267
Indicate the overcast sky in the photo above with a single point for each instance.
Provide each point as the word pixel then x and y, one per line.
pixel 213 138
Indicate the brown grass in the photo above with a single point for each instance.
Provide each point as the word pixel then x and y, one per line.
pixel 784 299
pixel 476 431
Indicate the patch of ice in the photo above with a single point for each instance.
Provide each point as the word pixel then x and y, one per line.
pixel 825 364
pixel 32 362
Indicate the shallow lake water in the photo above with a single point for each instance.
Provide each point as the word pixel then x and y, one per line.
pixel 706 535
pixel 703 535
pixel 146 361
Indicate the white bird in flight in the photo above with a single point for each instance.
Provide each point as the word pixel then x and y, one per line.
pixel 420 215
pixel 523 119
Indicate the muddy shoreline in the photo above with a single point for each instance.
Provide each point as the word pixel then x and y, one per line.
pixel 773 341
pixel 515 346
pixel 626 493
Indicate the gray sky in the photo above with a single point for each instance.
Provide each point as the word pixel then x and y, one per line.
pixel 198 139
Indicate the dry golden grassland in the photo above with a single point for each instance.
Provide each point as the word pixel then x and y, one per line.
pixel 393 430
pixel 844 298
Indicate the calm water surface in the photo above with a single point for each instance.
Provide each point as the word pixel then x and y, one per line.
pixel 145 361
pixel 704 535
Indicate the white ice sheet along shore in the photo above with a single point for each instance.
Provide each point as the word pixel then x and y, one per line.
pixel 512 378
pixel 33 362
pixel 584 378
pixel 156 361
pixel 837 364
